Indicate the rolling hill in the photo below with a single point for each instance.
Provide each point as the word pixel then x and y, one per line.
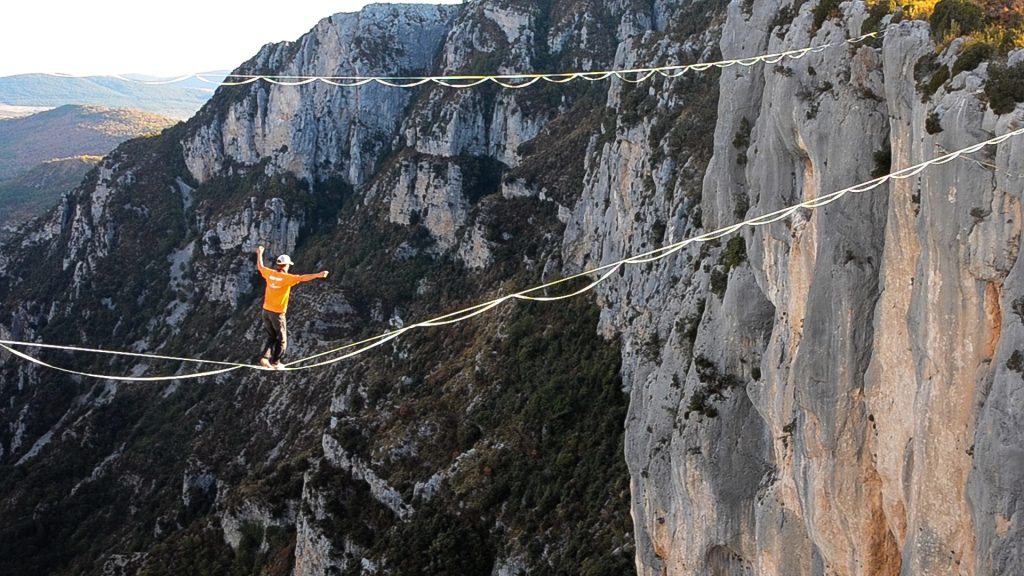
pixel 179 100
pixel 46 154
pixel 69 131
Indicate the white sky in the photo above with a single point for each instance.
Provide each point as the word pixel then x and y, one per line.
pixel 162 37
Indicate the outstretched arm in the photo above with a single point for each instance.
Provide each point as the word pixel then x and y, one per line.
pixel 308 277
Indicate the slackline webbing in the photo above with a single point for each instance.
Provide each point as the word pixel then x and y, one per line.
pixel 511 80
pixel 356 348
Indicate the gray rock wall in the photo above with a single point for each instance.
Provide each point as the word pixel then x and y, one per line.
pixel 317 130
pixel 871 341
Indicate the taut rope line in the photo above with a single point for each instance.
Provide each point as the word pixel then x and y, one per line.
pixel 606 271
pixel 511 81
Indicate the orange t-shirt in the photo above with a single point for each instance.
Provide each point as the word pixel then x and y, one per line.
pixel 279 288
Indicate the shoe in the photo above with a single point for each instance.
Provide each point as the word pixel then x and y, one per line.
pixel 278 366
pixel 266 364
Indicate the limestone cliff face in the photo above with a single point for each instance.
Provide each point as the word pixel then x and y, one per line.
pixel 836 393
pixel 317 130
pixel 865 351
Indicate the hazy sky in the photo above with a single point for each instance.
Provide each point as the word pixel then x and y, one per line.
pixel 162 37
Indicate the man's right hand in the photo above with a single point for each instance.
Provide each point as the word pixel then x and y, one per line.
pixel 259 249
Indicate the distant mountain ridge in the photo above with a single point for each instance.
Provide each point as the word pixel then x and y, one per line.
pixel 46 154
pixel 69 131
pixel 177 100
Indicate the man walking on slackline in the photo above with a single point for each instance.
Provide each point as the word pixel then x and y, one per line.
pixel 275 304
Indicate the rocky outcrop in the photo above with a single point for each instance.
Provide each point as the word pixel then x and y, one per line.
pixel 379 488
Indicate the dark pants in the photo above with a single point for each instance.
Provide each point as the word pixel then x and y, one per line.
pixel 277 336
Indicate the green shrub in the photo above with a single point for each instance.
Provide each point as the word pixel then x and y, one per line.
pixel 713 385
pixel 1018 308
pixel 700 402
pixel 658 230
pixel 933 125
pixel 1016 362
pixel 784 17
pixel 825 10
pixel 876 12
pixel 930 75
pixel 972 57
pixel 953 18
pixel 1005 87
pixel 1003 39
pixel 719 282
pixel 1013 38
pixel 937 81
pixel 784 70
pixel 883 161
pixel 924 67
pixel 735 252
pixel 739 211
pixel 687 326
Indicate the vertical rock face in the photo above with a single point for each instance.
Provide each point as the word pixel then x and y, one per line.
pixel 835 393
pixel 870 337
pixel 318 130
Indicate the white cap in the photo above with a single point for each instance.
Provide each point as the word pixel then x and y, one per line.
pixel 283 259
